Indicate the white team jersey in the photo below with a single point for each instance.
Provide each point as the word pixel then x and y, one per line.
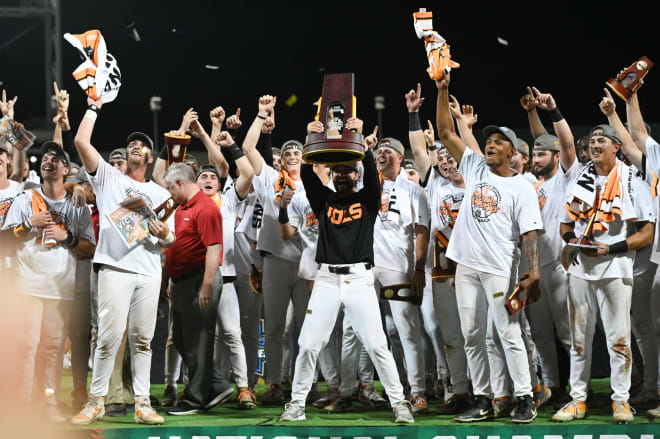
pixel 229 206
pixel 618 265
pixel 403 204
pixel 303 219
pixel 111 188
pixel 496 211
pixel 530 177
pixel 653 166
pixel 270 239
pixel 248 225
pixel 8 249
pixel 49 272
pixel 552 194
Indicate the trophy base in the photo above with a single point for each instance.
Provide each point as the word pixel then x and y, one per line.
pixel 619 89
pixel 391 292
pixel 324 151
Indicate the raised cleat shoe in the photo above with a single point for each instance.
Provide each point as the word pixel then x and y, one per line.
pixel 92 411
pixel 144 413
pixel 622 413
pixel 247 399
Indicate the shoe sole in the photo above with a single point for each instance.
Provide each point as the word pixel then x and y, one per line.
pixel 523 421
pixel 320 405
pixel 247 406
pixel 187 412
pixel 404 421
pixel 141 421
pixel 222 397
pixel 474 419
pixel 302 418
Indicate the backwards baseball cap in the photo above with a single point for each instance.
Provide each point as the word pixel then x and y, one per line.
pixel 54 148
pixel 118 154
pixel 291 144
pixel 276 151
pixel 409 164
pixel 80 177
pixel 353 166
pixel 190 158
pixel 507 132
pixel 605 131
pixel 521 146
pixel 547 142
pixel 138 135
pixel 392 143
pixel 208 168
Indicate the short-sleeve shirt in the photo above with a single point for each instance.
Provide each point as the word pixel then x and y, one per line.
pixel 49 272
pixel 8 246
pixel 653 166
pixel 229 203
pixel 198 225
pixel 111 188
pixel 494 214
pixel 301 216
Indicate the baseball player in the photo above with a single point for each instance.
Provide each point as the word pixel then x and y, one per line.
pixel 501 210
pixel 345 252
pixel 135 273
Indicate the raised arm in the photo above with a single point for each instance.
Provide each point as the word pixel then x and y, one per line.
pixel 246 173
pixel 18 159
pixel 608 107
pixel 215 156
pixel 445 123
pixel 266 105
pixel 528 102
pixel 465 120
pixel 88 154
pixel 416 137
pixel 546 102
pixel 636 122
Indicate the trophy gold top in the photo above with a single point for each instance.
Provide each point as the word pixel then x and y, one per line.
pixel 173 139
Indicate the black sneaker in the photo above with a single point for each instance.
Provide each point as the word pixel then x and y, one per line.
pixel 218 398
pixel 182 408
pixel 480 410
pixel 525 411
pixel 115 410
pixel 340 405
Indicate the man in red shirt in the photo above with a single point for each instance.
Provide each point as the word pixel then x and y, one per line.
pixel 192 263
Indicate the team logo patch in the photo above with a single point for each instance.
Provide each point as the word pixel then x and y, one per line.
pixel 542 198
pixel 485 202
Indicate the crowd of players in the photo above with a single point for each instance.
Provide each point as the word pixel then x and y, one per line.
pixel 487 219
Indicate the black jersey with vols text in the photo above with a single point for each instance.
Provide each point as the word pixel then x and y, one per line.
pixel 346 225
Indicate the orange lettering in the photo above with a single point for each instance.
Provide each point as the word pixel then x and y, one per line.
pixel 355 210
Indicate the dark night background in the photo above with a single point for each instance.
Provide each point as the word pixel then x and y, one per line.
pixel 568 49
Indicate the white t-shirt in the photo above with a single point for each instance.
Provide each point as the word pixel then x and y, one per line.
pixel 49 272
pixel 111 188
pixel 394 241
pixel 303 219
pixel 270 239
pixel 496 211
pixel 531 177
pixel 552 194
pixel 229 209
pixel 248 225
pixel 653 165
pixel 8 248
pixel 618 265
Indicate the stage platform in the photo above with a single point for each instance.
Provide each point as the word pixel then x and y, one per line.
pixel 226 421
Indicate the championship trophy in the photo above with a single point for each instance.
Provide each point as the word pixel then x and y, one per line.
pixel 514 303
pixel 336 145
pixel 166 209
pixel 438 272
pixel 176 147
pixel 570 251
pixel 627 82
pixel 393 292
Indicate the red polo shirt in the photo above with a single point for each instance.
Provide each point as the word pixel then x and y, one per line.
pixel 197 225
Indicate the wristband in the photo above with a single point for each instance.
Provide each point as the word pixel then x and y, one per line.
pixel 432 147
pixel 555 115
pixel 262 117
pixel 283 217
pixel 413 122
pixel 91 114
pixel 236 152
pixel 568 236
pixel 618 247
pixel 167 241
pixel 93 108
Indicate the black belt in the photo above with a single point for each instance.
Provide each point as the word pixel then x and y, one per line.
pixel 228 279
pixel 188 275
pixel 344 269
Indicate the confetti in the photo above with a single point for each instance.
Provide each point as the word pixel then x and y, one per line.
pixel 291 100
pixel 211 67
pixel 502 41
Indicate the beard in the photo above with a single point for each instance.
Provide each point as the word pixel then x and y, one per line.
pixel 543 171
pixel 344 185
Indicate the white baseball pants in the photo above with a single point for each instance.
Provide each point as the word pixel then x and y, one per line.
pixel 356 293
pixel 612 299
pixel 476 293
pixel 228 341
pixel 643 325
pixel 132 298
pixel 433 331
pixel 250 305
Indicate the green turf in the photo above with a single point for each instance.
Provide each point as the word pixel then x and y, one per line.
pixel 228 414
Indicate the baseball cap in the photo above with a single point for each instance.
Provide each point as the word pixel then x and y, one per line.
pixel 521 146
pixel 190 158
pixel 507 132
pixel 547 142
pixel 118 154
pixel 291 144
pixel 53 148
pixel 208 168
pixel 80 177
pixel 353 166
pixel 605 131
pixel 409 164
pixel 276 151
pixel 392 143
pixel 74 169
pixel 138 135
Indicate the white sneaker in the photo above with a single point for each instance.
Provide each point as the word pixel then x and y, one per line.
pixel 293 411
pixel 92 411
pixel 144 413
pixel 402 414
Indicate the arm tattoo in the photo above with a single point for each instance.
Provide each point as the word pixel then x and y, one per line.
pixel 531 249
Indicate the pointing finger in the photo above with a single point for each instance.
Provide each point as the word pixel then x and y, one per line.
pixel 529 91
pixel 419 89
pixel 430 125
pixel 536 90
pixel 238 112
pixel 375 131
pixel 55 88
pixel 607 93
